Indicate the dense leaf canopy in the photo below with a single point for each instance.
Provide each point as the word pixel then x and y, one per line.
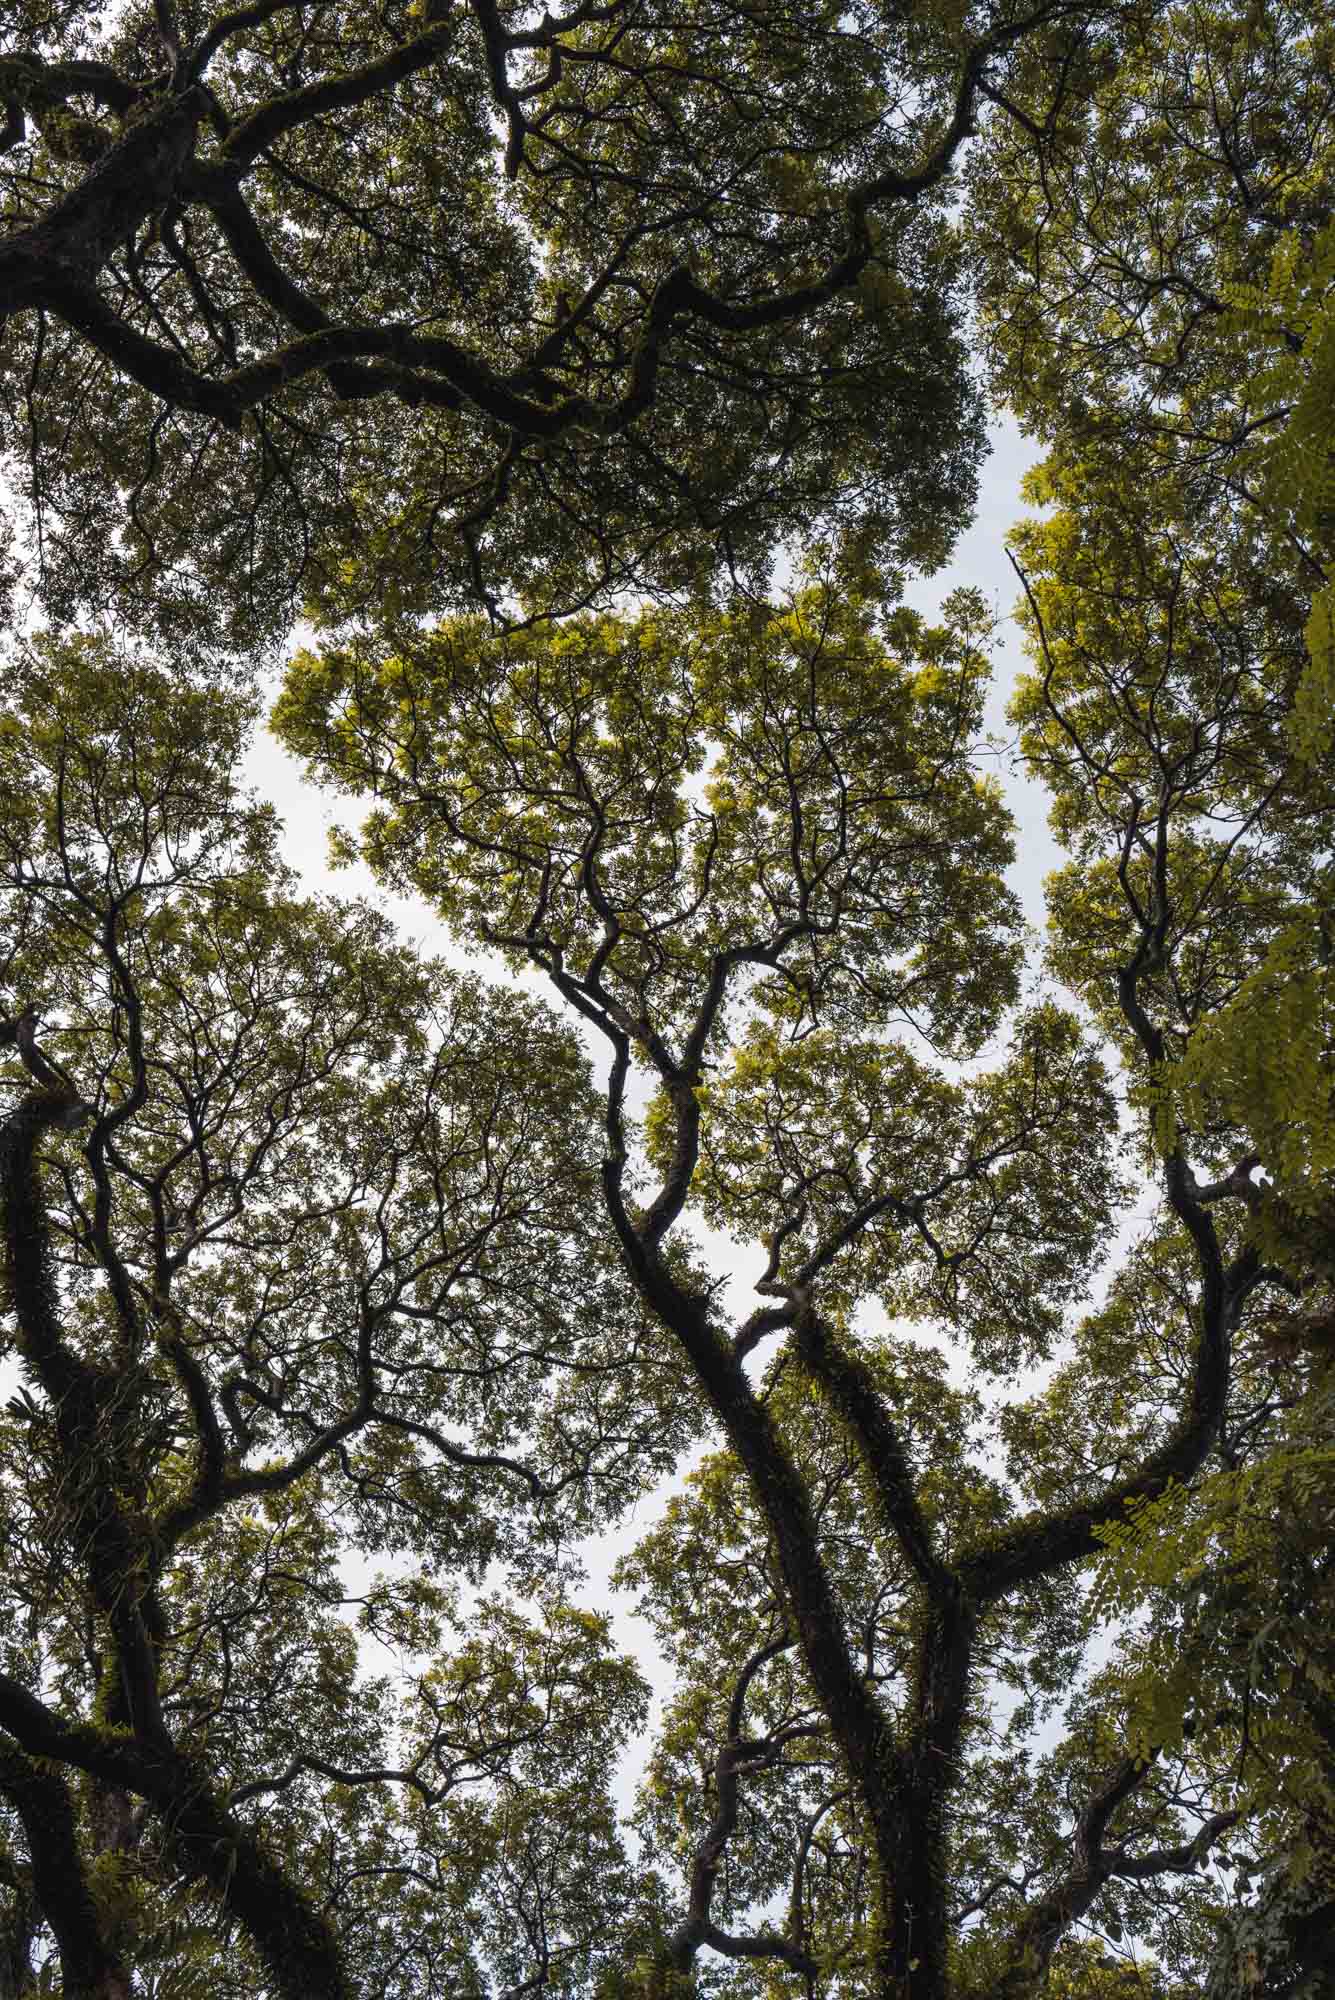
pixel 943 1326
pixel 435 303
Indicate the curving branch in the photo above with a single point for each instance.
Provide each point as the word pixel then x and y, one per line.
pixel 736 1758
pixel 863 1734
pixel 58 257
pixel 53 263
pixel 1044 1923
pixel 255 134
pixel 122 1564
pixel 1181 1860
pixel 1043 1543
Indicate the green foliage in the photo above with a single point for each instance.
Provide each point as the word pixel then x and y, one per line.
pixel 1290 466
pixel 659 793
pixel 418 308
pixel 1006 1154
pixel 352 1291
pixel 1178 706
pixel 317 1166
pixel 1266 1063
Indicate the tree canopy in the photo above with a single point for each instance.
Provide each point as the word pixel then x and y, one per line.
pixel 467 304
pixel 943 1321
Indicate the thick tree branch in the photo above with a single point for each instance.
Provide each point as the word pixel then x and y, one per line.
pixel 54 262
pixel 246 141
pixel 855 1398
pixel 1043 1925
pixel 864 1736
pixel 1181 1860
pixel 58 258
pixel 292 1939
pixel 88 1410
pixel 90 1965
